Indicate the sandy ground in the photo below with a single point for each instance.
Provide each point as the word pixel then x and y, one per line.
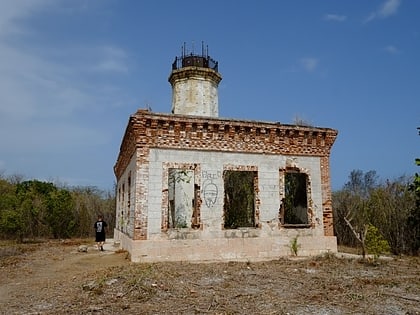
pixel 55 278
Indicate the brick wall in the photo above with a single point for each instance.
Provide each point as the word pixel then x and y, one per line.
pixel 151 130
pixel 147 129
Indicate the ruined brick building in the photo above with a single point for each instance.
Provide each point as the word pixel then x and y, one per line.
pixel 192 186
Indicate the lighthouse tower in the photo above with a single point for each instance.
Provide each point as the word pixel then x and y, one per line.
pixel 195 79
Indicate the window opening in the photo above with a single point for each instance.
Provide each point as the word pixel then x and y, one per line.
pixel 120 222
pixel 182 212
pixel 294 206
pixel 239 200
pixel 129 192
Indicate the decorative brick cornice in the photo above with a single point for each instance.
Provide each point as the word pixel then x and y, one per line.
pixel 153 130
pixel 127 149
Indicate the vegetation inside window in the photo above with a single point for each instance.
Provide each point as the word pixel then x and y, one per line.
pixel 239 200
pixel 181 198
pixel 295 202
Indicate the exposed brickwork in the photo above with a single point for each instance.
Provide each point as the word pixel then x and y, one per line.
pixel 140 219
pixel 197 181
pixel 215 134
pixel 326 197
pixel 127 148
pixel 151 130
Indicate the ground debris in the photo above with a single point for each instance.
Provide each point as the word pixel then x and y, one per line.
pixel 53 280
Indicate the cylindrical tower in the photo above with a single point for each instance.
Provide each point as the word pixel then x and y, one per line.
pixel 195 79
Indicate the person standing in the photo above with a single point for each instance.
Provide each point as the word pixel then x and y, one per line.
pixel 100 229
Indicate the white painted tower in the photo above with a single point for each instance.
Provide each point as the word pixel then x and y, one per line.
pixel 195 79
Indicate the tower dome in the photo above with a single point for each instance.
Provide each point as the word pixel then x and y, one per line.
pixel 195 79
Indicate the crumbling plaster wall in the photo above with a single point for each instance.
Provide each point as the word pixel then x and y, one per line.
pixel 212 165
pixel 191 96
pixel 126 200
pixel 194 91
pixel 156 142
pixel 212 242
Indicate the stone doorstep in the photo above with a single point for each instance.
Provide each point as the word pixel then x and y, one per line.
pixel 110 245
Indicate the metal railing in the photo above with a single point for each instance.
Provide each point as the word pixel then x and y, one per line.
pixel 195 61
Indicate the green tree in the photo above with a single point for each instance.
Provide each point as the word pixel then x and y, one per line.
pixel 90 201
pixel 34 208
pixel 391 204
pixel 60 215
pixel 9 221
pixel 413 219
pixel 239 204
pixel 390 207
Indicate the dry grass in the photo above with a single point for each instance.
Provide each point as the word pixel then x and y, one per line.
pixel 109 284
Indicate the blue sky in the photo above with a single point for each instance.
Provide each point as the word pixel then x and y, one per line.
pixel 71 73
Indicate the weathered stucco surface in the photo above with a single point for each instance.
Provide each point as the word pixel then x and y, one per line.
pixel 194 91
pixel 207 147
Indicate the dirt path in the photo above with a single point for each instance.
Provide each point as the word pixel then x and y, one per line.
pixel 54 278
pixel 33 281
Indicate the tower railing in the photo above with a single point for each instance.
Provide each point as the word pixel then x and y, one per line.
pixel 192 60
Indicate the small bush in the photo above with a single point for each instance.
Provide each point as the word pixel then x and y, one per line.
pixel 294 246
pixel 376 244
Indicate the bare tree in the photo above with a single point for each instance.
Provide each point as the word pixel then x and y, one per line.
pixel 353 204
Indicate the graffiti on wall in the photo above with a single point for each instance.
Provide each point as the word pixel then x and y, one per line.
pixel 210 190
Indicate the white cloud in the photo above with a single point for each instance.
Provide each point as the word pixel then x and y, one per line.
pixel 335 17
pixel 112 59
pixel 11 11
pixel 388 8
pixel 52 96
pixel 309 64
pixel 392 49
pixel 49 82
pixel 32 87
